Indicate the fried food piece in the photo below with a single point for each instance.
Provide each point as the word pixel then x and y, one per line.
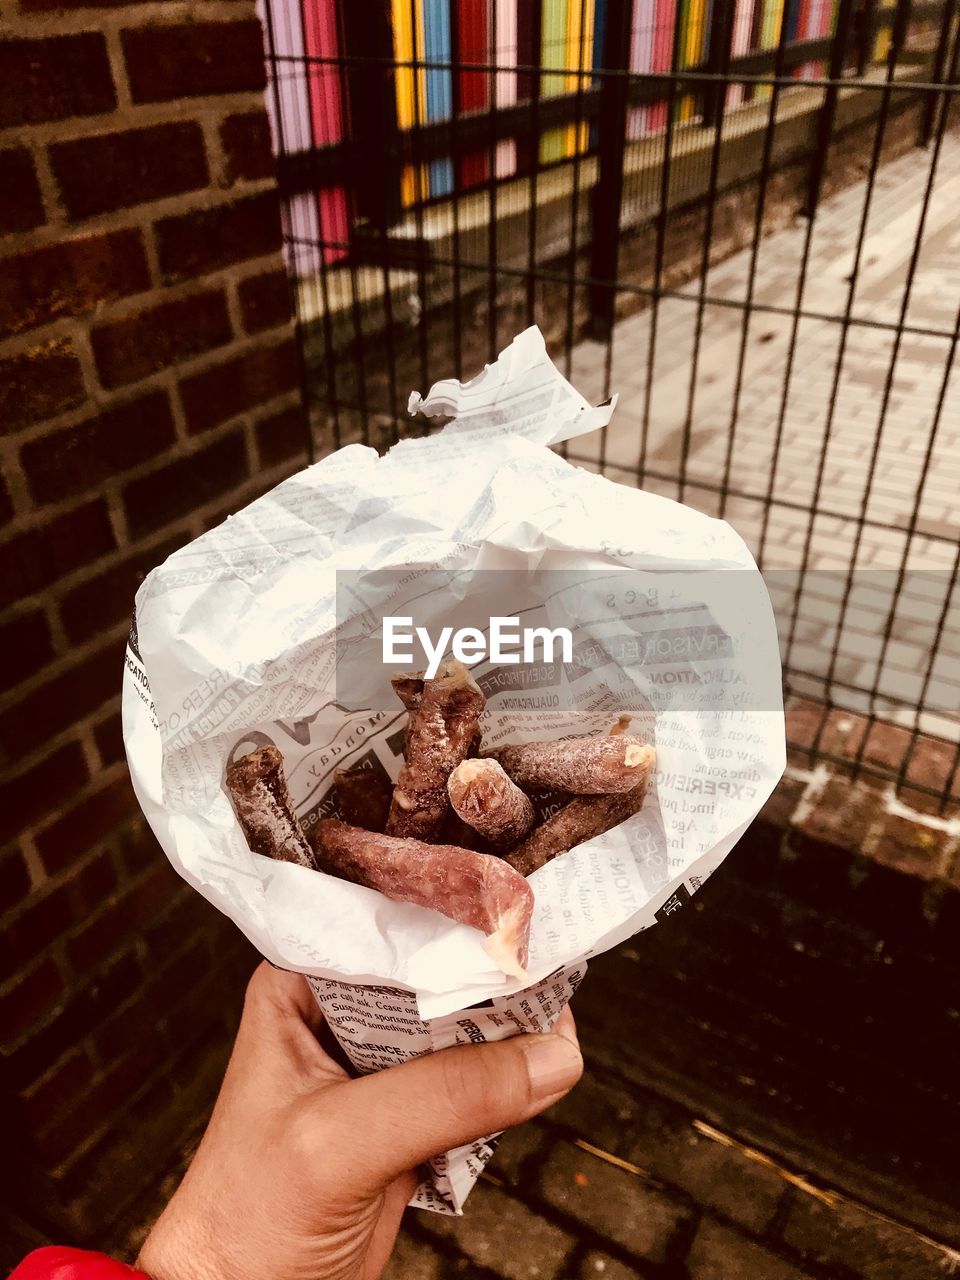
pixel 472 888
pixel 444 715
pixel 584 766
pixel 363 796
pixel 257 786
pixel 582 819
pixel 485 798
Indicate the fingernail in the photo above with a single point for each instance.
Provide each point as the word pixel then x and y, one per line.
pixel 553 1063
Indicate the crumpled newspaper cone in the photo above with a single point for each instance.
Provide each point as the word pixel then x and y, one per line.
pixel 242 638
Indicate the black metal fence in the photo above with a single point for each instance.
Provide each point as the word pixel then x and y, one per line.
pixel 756 246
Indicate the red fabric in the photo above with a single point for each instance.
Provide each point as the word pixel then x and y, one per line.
pixel 58 1263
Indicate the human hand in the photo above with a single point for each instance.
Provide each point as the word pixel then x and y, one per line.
pixel 303 1172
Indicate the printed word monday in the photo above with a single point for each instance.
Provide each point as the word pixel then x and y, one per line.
pixel 508 642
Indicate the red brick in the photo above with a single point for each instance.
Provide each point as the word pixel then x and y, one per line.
pixel 842 816
pixel 22 206
pixel 123 1078
pixel 54 77
pixel 6 505
pixel 165 63
pixel 886 745
pixel 121 170
pixel 61 702
pixel 70 278
pixel 265 301
pixel 108 598
pixel 29 998
pixel 131 349
pixel 177 489
pixel 193 244
pixel 83 1013
pixel 46 916
pixel 903 844
pixel 67 462
pixel 214 395
pixel 41 790
pixel 189 918
pixel 108 735
pixel 830 729
pixel 932 762
pixel 104 1179
pixel 14 879
pixel 282 437
pixel 39 383
pixel 26 647
pixel 40 556
pixel 86 825
pixel 124 918
pixel 246 145
pixel 43 919
pixel 137 846
pixel 782 804
pixel 165 987
pixel 48 1099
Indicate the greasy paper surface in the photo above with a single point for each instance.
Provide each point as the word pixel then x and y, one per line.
pixel 235 644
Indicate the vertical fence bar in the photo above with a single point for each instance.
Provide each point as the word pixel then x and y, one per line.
pixel 937 73
pixel 718 61
pixel 899 33
pixel 534 15
pixel 494 59
pixel 608 192
pixel 762 184
pixel 420 181
pixel 723 25
pixel 455 45
pixel 838 54
pixel 660 251
pixel 292 282
pixel 866 35
pixel 374 130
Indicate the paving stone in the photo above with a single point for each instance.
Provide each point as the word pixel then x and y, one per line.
pixel 868 1245
pixel 516 1150
pixel 599 1110
pixel 412 1260
pixel 716 1176
pixel 498 1232
pixel 718 1253
pixel 619 1205
pixel 600 1266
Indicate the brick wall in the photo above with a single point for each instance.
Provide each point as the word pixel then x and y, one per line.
pixel 148 386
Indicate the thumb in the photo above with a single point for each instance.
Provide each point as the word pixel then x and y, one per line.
pixel 397 1118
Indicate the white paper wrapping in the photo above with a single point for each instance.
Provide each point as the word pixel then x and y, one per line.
pixel 235 644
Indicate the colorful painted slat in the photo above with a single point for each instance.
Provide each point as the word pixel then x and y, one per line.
pixel 553 46
pixel 439 83
pixel 326 114
pixel 410 87
pixel 505 55
pixel 474 86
